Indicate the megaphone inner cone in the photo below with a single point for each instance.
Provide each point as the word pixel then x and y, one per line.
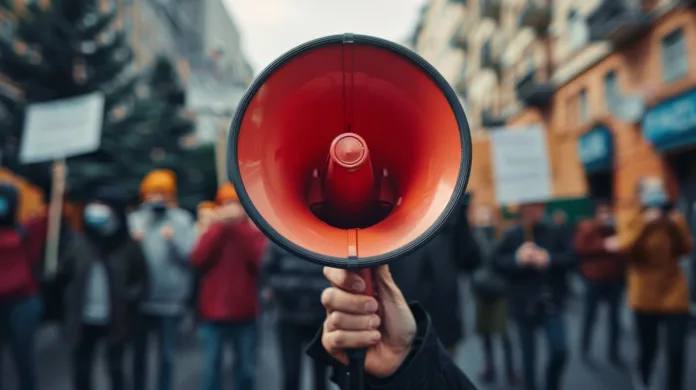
pixel 349 150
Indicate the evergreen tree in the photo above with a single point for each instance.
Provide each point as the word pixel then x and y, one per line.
pixel 69 49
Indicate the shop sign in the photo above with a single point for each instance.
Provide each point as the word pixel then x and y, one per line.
pixel 672 124
pixel 596 149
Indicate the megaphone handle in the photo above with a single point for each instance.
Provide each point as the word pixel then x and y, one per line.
pixel 355 377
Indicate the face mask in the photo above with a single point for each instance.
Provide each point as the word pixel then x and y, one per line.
pixel 158 207
pixel 654 197
pixel 4 207
pixel 100 218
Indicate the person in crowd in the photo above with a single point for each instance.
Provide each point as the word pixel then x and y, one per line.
pixel 430 276
pixel 228 259
pixel 106 276
pixel 491 304
pixel 535 258
pixel 206 214
pixel 603 268
pixel 167 236
pixel 21 247
pixel 295 285
pixel 403 351
pixel 654 242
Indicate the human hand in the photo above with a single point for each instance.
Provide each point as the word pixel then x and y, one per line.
pixel 525 252
pixel 167 232
pixel 611 244
pixel 267 294
pixel 384 325
pixel 652 214
pixel 540 258
pixel 138 236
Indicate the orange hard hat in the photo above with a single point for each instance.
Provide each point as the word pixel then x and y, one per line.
pixel 226 193
pixel 159 180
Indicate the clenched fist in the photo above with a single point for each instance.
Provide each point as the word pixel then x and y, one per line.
pixel 383 324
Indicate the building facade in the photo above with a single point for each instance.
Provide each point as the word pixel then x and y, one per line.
pixel 611 82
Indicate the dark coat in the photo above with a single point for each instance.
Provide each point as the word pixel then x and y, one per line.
pixel 127 272
pixel 532 291
pixel 297 285
pixel 430 276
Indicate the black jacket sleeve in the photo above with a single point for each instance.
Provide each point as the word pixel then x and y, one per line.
pixel 427 367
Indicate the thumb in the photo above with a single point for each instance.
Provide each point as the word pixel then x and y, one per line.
pixel 386 287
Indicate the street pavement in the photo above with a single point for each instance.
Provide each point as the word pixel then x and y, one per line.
pixel 54 359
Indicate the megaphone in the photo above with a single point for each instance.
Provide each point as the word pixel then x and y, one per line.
pixel 349 151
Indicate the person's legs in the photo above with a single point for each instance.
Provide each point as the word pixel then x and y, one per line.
pixel 677 331
pixel 614 294
pixel 488 374
pixel 590 316
pixel 510 370
pixel 211 342
pixel 244 339
pixel 290 341
pixel 141 339
pixel 319 369
pixel 647 332
pixel 527 332
pixel 83 357
pixel 114 361
pixel 555 329
pixel 24 320
pixel 167 333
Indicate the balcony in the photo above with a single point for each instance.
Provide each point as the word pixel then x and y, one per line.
pixel 534 93
pixel 617 21
pixel 488 120
pixel 536 16
pixel 491 9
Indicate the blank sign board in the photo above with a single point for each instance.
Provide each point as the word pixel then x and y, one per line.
pixel 62 128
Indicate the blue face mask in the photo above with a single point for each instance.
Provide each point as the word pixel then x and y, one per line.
pixel 100 218
pixel 4 206
pixel 158 207
pixel 655 197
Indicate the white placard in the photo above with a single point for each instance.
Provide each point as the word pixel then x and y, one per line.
pixel 521 165
pixel 205 94
pixel 62 128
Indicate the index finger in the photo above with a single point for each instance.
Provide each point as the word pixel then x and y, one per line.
pixel 347 281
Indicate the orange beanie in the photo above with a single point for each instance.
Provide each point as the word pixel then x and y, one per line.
pixel 206 205
pixel 226 192
pixel 159 180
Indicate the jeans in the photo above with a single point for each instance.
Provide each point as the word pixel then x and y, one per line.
pixel 19 322
pixel 676 329
pixel 83 358
pixel 293 338
pixel 556 339
pixel 244 339
pixel 489 360
pixel 611 294
pixel 165 326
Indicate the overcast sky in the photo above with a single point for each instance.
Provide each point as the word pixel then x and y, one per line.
pixel 271 27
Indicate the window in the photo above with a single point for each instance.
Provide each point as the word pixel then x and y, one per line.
pixel 611 89
pixel 583 108
pixel 578 32
pixel 674 59
pixel 529 59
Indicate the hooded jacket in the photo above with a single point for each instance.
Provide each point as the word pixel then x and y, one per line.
pixel 21 247
pixel 167 259
pixel 126 272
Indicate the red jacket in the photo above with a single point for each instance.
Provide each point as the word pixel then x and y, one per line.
pixel 596 264
pixel 20 250
pixel 229 258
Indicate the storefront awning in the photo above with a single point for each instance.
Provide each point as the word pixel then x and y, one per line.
pixel 596 149
pixel 672 124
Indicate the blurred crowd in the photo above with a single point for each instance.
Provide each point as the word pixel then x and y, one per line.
pixel 132 273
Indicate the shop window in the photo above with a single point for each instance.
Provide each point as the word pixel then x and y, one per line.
pixel 583 107
pixel 675 63
pixel 600 185
pixel 611 89
pixel 578 32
